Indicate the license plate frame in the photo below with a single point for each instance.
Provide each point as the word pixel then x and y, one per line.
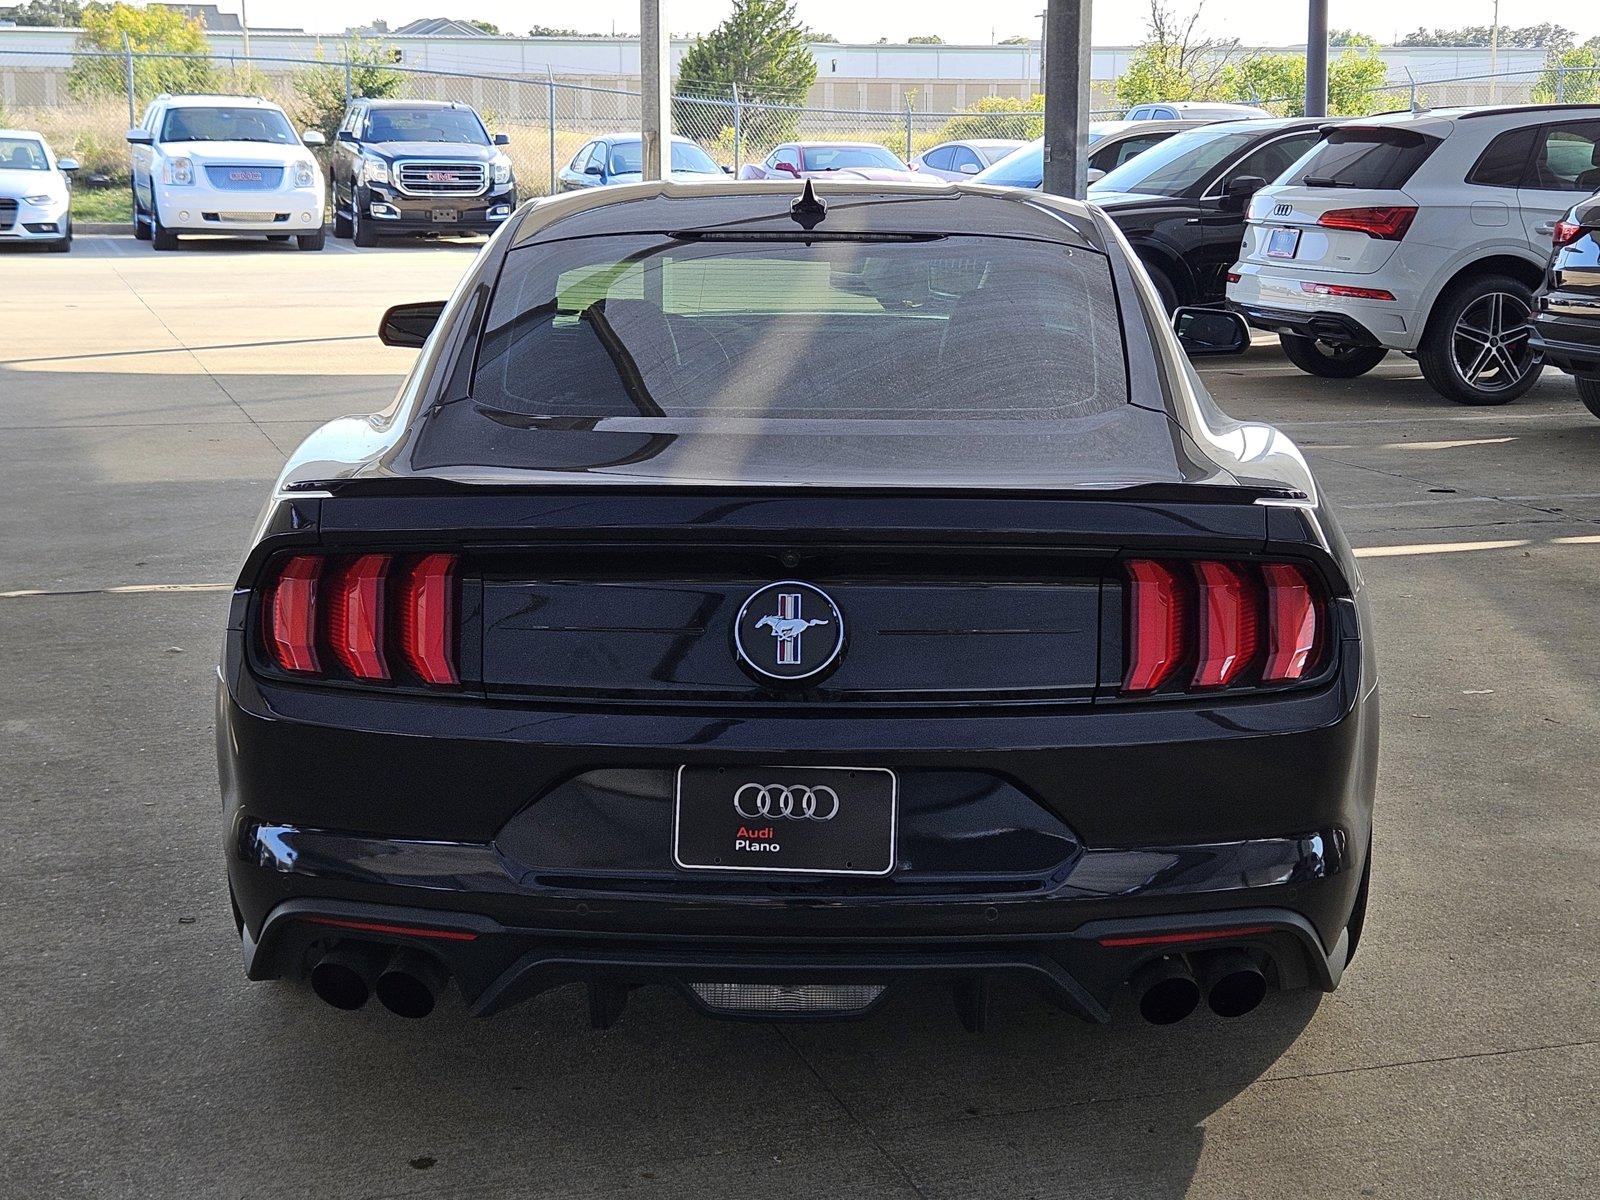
pixel 712 807
pixel 1283 243
pixel 446 216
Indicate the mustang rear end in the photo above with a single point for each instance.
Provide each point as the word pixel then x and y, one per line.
pixel 785 598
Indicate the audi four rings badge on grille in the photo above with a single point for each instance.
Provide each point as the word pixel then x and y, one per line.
pixel 754 801
pixel 788 631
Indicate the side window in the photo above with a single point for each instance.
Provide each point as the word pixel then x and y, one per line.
pixel 1132 148
pixel 1566 158
pixel 962 156
pixel 1273 159
pixel 940 159
pixel 1505 161
pixel 786 156
pixel 1139 113
pixel 1164 114
pixel 581 157
pixel 597 156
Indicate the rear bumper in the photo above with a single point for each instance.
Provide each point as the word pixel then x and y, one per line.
pixel 1275 298
pixel 1571 344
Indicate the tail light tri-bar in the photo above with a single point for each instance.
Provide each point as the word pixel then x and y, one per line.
pixel 376 618
pixel 1209 625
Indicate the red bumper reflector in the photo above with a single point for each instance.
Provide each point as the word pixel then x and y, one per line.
pixel 291 615
pixel 1349 293
pixel 427 618
pixel 355 616
pixel 1188 935
pixel 1158 615
pixel 446 935
pixel 1292 610
pixel 1229 623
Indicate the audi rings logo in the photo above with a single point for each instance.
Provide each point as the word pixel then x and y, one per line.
pixel 754 801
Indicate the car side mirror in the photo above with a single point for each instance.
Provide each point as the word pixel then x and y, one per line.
pixel 409 325
pixel 312 137
pixel 346 135
pixel 67 164
pixel 1203 331
pixel 139 137
pixel 788 169
pixel 968 168
pixel 1094 175
pixel 502 139
pixel 726 169
pixel 1238 191
pixel 594 169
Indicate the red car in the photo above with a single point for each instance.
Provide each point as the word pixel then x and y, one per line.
pixel 834 160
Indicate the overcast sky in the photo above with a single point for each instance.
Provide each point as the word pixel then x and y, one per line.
pixel 1115 21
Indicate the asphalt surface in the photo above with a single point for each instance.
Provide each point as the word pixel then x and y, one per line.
pixel 145 404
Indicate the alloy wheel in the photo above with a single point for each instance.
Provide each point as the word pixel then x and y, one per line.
pixel 1490 342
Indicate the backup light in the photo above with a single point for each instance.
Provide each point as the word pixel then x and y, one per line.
pixel 1210 625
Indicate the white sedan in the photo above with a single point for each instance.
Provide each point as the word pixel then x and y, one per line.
pixel 35 195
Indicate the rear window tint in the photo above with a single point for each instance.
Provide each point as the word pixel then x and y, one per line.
pixel 1364 159
pixel 1505 161
pixel 957 329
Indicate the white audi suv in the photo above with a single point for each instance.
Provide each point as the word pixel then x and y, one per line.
pixel 224 164
pixel 1424 233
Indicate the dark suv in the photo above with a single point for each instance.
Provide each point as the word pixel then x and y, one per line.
pixel 418 166
pixel 1566 327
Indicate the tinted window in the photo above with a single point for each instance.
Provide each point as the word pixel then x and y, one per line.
pixel 839 158
pixel 1114 156
pixel 580 157
pixel 965 329
pixel 1178 163
pixel 960 157
pixel 22 154
pixel 426 125
pixel 1566 158
pixel 1023 168
pixel 1365 158
pixel 227 125
pixel 1273 159
pixel 1503 163
pixel 627 158
pixel 938 160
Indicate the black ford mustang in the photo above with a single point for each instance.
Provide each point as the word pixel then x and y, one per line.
pixel 780 598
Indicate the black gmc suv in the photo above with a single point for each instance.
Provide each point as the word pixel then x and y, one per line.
pixel 418 167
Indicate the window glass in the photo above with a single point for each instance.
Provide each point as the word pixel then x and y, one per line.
pixel 1273 159
pixel 1505 161
pixel 788 156
pixel 456 125
pixel 839 158
pixel 1567 158
pixel 1364 158
pixel 1023 168
pixel 1178 163
pixel 227 124
pixel 581 157
pixel 939 160
pixel 965 329
pixel 22 154
pixel 960 157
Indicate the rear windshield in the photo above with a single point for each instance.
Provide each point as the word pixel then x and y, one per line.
pixel 1364 158
pixel 954 329
pixel 1022 168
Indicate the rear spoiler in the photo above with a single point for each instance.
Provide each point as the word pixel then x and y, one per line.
pixel 1392 135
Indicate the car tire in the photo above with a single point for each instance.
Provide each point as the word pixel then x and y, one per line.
pixel 63 245
pixel 313 241
pixel 1165 288
pixel 1475 349
pixel 361 231
pixel 1589 393
pixel 141 231
pixel 1316 357
pixel 161 238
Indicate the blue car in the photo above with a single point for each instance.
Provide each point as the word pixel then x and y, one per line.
pixel 619 159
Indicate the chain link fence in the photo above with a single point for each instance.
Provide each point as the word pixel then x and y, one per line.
pixel 84 101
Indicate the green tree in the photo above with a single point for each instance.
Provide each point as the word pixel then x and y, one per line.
pixel 320 95
pixel 1546 35
pixel 45 13
pixel 925 39
pixel 1018 40
pixel 998 117
pixel 1175 62
pixel 1354 78
pixel 152 31
pixel 1571 76
pixel 488 27
pixel 761 48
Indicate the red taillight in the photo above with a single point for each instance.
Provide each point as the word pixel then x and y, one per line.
pixel 1239 624
pixel 427 618
pixel 1229 623
pixel 1567 232
pixel 1292 621
pixel 1158 621
pixel 332 615
pixel 1387 223
pixel 356 616
pixel 1339 289
pixel 291 615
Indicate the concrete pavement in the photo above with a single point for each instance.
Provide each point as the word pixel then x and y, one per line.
pixel 145 404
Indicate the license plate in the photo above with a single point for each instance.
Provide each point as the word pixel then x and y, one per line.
pixel 446 216
pixel 1283 243
pixel 796 820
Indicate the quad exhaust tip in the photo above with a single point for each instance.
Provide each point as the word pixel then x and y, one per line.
pixel 1232 981
pixel 345 974
pixel 1166 990
pixel 406 982
pixel 410 984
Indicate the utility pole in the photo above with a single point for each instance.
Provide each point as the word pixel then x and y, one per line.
pixel 1317 60
pixel 1066 97
pixel 655 101
pixel 244 26
pixel 1044 32
pixel 1494 52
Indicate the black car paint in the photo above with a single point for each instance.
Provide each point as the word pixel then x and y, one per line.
pixel 1566 327
pixel 1193 238
pixel 416 213
pixel 525 819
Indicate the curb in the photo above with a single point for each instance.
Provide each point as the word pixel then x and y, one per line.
pixel 102 227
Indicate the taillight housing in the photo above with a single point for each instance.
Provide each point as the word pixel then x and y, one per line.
pixel 364 618
pixel 1567 232
pixel 1208 625
pixel 1387 223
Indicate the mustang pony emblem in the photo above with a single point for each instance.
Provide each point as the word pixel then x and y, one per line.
pixel 787 625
